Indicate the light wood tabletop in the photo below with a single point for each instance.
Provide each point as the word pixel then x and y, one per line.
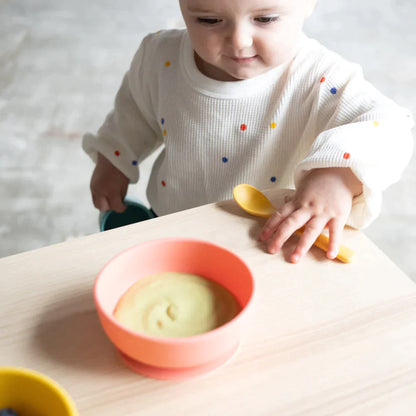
pixel 322 337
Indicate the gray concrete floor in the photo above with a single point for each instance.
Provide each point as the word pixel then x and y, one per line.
pixel 62 62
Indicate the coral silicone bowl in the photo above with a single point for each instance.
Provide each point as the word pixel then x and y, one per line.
pixel 173 358
pixel 28 392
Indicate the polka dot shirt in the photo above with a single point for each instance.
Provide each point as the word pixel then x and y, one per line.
pixel 316 111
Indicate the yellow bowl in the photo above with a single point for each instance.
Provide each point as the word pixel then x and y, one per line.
pixel 28 392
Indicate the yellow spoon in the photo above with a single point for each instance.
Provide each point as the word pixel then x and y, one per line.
pixel 253 201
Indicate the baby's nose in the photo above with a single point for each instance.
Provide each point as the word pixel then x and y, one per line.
pixel 240 37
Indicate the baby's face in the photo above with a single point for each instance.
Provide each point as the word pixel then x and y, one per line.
pixel 240 39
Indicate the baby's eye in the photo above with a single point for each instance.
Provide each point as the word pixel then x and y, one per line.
pixel 266 19
pixel 208 20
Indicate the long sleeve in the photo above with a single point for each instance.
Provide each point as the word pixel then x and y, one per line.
pixel 127 136
pixel 357 127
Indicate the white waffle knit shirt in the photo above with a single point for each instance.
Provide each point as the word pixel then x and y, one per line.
pixel 316 111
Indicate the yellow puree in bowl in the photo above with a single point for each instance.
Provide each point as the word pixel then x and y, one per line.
pixel 174 304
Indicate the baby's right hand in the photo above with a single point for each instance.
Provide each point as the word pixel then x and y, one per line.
pixel 108 186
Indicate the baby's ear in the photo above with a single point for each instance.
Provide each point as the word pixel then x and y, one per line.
pixel 309 7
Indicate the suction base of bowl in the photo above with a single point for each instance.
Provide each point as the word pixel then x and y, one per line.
pixel 163 373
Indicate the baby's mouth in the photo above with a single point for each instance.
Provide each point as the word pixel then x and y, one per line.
pixel 244 59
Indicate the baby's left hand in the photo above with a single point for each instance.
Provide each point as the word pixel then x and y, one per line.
pixel 323 199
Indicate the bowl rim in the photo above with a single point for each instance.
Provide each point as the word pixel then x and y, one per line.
pixel 66 399
pixel 176 340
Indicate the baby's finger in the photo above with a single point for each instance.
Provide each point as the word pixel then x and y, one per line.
pixel 116 203
pixel 288 198
pixel 101 203
pixel 335 228
pixel 274 221
pixel 308 237
pixel 286 228
pixel 271 224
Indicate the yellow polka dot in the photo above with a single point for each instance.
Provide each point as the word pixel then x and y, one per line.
pixel 164 132
pixel 273 125
pixel 375 123
pixel 167 63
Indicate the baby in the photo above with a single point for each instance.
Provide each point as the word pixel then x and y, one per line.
pixel 243 96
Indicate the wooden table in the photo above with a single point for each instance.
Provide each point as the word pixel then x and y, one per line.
pixel 323 338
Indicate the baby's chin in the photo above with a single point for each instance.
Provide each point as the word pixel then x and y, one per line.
pixel 245 75
pixel 245 72
pixel 226 75
pixel 227 72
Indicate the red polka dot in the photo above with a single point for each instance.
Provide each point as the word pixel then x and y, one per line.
pixel 346 156
pixel 243 127
pixel 163 183
pixel 117 153
pixel 322 80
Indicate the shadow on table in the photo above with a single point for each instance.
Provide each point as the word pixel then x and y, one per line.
pixel 70 333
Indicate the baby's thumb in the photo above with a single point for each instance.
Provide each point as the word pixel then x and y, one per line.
pixel 117 205
pixel 101 203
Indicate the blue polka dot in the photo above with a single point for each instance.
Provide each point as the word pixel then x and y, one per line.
pixel 333 90
pixel 162 120
pixel 273 178
pixel 224 159
pixel 134 163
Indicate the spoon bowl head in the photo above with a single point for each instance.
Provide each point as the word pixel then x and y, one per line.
pixel 253 201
